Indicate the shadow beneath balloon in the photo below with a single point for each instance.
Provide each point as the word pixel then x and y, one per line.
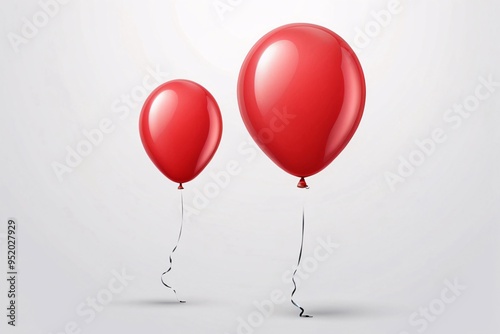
pixel 155 303
pixel 354 311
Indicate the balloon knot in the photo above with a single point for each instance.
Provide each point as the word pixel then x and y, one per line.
pixel 302 183
pixel 180 187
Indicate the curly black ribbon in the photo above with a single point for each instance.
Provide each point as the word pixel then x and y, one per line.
pixel 297 268
pixel 173 250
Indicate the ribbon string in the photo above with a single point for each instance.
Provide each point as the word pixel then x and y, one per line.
pixel 173 250
pixel 297 268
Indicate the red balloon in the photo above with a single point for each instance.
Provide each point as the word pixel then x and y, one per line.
pixel 301 93
pixel 181 128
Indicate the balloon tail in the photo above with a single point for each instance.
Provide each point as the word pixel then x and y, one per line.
pixel 302 184
pixel 297 268
pixel 173 250
pixel 180 187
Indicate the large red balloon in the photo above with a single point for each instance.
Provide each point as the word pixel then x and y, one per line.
pixel 301 93
pixel 181 128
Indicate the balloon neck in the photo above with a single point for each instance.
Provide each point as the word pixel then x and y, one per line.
pixel 302 184
pixel 180 187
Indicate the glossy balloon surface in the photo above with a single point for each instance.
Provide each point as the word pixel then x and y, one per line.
pixel 301 93
pixel 181 128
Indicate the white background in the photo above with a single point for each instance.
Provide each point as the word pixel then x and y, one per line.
pixel 115 211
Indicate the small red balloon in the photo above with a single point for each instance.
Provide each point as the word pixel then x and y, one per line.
pixel 181 128
pixel 301 93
